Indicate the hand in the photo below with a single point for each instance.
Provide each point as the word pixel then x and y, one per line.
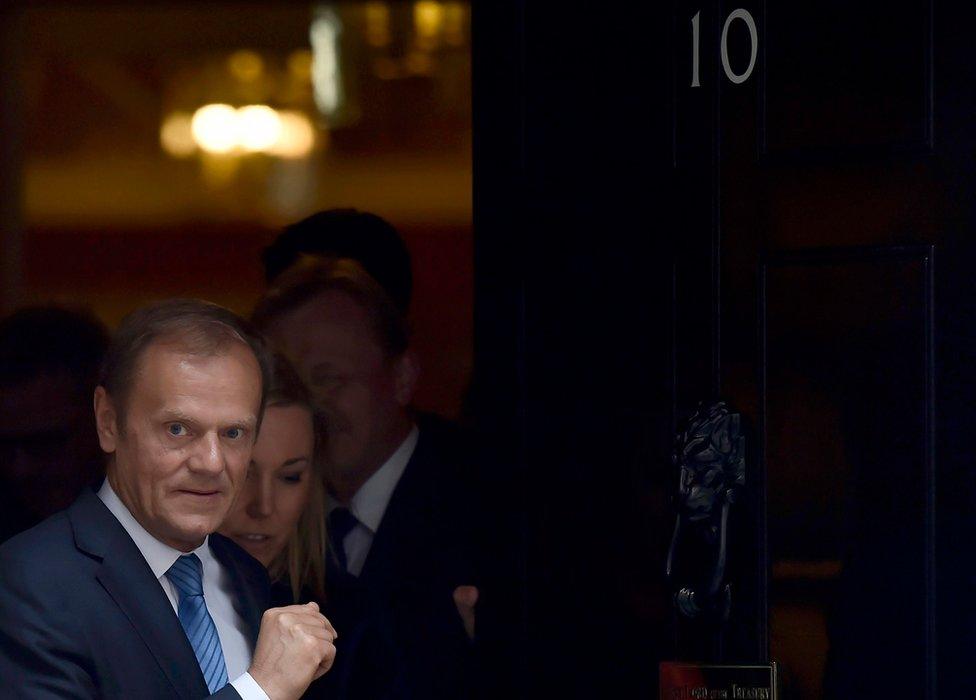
pixel 295 646
pixel 465 598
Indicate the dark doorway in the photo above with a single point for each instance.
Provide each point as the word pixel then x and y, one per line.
pixel 763 203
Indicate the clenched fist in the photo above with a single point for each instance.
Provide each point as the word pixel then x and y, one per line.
pixel 295 646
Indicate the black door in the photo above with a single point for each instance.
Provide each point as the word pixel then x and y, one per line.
pixel 767 203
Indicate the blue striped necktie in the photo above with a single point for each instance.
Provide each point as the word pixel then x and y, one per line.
pixel 186 575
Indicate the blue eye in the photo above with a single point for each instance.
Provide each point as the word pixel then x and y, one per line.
pixel 235 433
pixel 177 429
pixel 292 478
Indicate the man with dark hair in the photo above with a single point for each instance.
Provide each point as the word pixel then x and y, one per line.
pixel 49 359
pixel 127 593
pixel 401 508
pixel 346 233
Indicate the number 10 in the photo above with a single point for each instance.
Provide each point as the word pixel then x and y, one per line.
pixel 736 78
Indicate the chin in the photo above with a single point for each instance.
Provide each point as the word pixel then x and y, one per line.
pixel 344 451
pixel 196 529
pixel 266 563
pixel 346 462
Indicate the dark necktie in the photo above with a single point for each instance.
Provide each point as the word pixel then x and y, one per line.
pixel 341 523
pixel 186 575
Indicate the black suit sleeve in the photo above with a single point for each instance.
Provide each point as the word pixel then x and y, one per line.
pixel 42 647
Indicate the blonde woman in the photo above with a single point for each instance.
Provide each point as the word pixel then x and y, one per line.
pixel 279 518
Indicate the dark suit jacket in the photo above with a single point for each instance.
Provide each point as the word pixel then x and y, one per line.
pixel 83 616
pixel 400 635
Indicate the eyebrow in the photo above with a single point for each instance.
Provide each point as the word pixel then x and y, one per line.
pixel 293 461
pixel 174 414
pixel 247 423
pixel 177 415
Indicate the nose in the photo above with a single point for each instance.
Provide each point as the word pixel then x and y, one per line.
pixel 261 502
pixel 208 457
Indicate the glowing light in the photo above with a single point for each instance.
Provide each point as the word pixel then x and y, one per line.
pixel 297 136
pixel 214 128
pixel 258 127
pixel 176 135
pixel 428 17
pixel 377 23
pixel 221 129
pixel 326 80
pixel 246 66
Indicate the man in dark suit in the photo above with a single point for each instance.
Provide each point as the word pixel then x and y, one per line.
pixel 127 594
pixel 401 508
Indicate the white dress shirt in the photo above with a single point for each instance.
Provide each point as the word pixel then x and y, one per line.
pixel 217 592
pixel 370 502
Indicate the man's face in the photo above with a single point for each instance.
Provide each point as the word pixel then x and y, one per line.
pixel 362 393
pixel 190 423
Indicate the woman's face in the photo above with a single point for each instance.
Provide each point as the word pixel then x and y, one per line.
pixel 278 484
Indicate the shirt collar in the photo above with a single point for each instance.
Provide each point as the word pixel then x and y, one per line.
pixel 370 501
pixel 158 555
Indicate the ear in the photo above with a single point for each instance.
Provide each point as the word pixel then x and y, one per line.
pixel 106 420
pixel 406 372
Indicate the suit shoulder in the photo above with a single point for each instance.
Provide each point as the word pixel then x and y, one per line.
pixel 40 558
pixel 52 534
pixel 443 432
pixel 445 449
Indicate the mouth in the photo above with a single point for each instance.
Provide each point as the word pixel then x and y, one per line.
pixel 252 537
pixel 200 493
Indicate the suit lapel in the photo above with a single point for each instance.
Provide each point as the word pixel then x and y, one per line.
pixel 397 534
pixel 130 582
pixel 423 535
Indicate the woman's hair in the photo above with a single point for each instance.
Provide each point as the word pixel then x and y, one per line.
pixel 303 559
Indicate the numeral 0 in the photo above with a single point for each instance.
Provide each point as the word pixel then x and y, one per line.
pixel 736 78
